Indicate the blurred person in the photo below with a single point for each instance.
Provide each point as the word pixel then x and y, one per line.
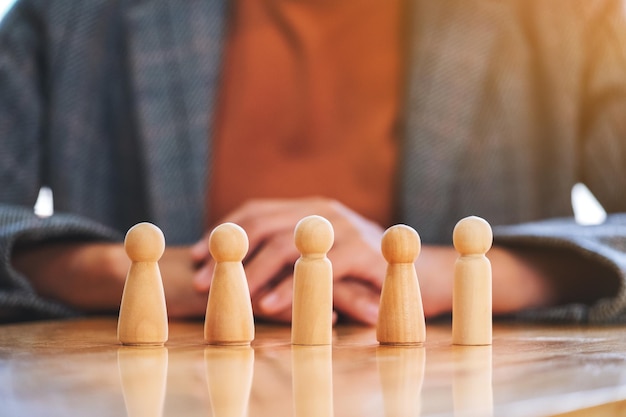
pixel 261 112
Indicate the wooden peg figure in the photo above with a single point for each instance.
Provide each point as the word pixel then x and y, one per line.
pixel 471 296
pixel 312 311
pixel 143 313
pixel 229 319
pixel 401 313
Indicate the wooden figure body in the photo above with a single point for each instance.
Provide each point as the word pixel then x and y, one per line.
pixel 229 319
pixel 401 313
pixel 471 297
pixel 143 312
pixel 312 311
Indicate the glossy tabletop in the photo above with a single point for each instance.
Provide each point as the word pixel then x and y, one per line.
pixel 77 368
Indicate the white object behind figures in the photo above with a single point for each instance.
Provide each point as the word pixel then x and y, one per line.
pixel 471 296
pixel 587 209
pixel 143 313
pixel 5 5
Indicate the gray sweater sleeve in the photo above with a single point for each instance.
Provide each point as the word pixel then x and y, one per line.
pixel 20 226
pixel 23 97
pixel 602 167
pixel 604 244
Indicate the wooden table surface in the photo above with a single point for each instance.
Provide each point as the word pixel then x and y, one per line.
pixel 76 367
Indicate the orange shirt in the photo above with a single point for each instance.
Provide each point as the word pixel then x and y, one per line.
pixel 309 105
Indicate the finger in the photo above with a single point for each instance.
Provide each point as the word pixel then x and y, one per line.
pixel 256 209
pixel 245 217
pixel 279 317
pixel 359 262
pixel 278 298
pixel 270 261
pixel 260 230
pixel 200 250
pixel 356 301
pixel 260 208
pixel 263 218
pixel 187 306
pixel 260 220
pixel 202 277
pixel 177 272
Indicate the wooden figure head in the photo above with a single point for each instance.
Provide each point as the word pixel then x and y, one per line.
pixel 472 235
pixel 314 235
pixel 400 244
pixel 144 242
pixel 228 242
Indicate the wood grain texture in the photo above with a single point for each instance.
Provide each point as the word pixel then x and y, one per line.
pixel 229 372
pixel 74 368
pixel 312 370
pixel 143 374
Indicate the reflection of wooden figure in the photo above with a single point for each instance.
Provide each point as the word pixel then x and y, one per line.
pixel 143 313
pixel 312 370
pixel 472 387
pixel 401 315
pixel 401 371
pixel 143 372
pixel 312 314
pixel 471 295
pixel 229 371
pixel 229 319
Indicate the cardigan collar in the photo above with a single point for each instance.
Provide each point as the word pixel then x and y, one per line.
pixel 175 71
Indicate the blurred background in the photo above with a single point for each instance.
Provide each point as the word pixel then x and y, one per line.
pixel 587 210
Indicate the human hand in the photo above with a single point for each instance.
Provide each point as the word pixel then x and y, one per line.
pixel 522 278
pixel 90 276
pixel 86 276
pixel 358 266
pixel 520 281
pixel 178 271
